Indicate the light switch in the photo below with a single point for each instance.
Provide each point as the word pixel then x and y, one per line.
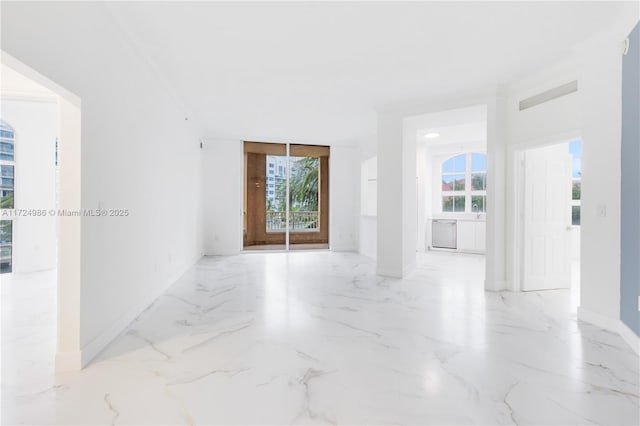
pixel 602 210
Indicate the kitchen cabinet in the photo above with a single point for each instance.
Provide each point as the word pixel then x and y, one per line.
pixel 472 236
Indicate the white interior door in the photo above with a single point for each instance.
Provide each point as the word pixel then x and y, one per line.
pixel 547 230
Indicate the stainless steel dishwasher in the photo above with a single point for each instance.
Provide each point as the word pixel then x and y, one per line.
pixel 444 233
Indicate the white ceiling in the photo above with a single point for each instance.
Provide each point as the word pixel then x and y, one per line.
pixel 456 126
pixel 462 133
pixel 315 72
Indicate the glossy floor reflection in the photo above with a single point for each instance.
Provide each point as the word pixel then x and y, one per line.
pixel 281 338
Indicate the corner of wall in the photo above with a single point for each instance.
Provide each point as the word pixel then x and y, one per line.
pixel 68 361
pixel 610 324
pixel 73 361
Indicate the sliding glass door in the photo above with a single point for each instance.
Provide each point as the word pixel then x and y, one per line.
pixel 286 196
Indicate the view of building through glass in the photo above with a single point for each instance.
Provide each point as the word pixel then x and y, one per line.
pixel 303 193
pixel 7 183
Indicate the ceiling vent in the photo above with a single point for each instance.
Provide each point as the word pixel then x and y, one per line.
pixel 549 95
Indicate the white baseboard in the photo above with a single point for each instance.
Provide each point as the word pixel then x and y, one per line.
pixel 497 286
pixel 393 273
pixel 72 361
pixel 68 361
pixel 630 337
pixel 348 248
pixel 222 251
pixel 396 273
pixel 595 318
pixel 370 255
pixel 610 324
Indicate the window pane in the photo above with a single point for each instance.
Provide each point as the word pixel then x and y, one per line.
pixel 453 183
pixel 447 183
pixel 4 133
pixel 455 164
pixel 6 147
pixel 448 166
pixel 576 170
pixel 276 193
pixel 460 163
pixel 576 189
pixel 478 162
pixel 575 215
pixel 458 203
pixel 447 204
pixel 478 181
pixel 6 171
pixel 6 234
pixel 458 183
pixel 478 203
pixel 6 199
pixel 304 187
pixel 6 238
pixel 575 148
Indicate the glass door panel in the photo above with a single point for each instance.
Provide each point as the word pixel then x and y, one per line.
pixel 304 203
pixel 265 196
pixel 286 197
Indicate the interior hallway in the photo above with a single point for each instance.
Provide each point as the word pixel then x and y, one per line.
pixel 307 337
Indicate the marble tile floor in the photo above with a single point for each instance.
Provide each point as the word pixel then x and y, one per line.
pixel 318 338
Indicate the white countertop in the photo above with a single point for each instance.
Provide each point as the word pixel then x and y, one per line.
pixel 463 217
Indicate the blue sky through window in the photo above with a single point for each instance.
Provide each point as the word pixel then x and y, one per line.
pixel 478 162
pixel 575 149
pixel 455 164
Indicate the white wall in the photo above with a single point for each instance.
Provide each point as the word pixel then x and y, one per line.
pixel 344 196
pixel 138 153
pixel 601 119
pixel 424 183
pixel 368 223
pixel 36 127
pixel 594 115
pixel 222 170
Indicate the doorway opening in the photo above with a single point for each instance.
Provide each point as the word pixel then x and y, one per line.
pixel 452 183
pixel 549 182
pixel 286 197
pixel 39 247
pixel 29 131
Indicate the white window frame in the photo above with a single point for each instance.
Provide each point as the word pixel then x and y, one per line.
pixel 468 193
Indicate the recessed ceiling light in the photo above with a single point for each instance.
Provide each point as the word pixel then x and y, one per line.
pixel 431 135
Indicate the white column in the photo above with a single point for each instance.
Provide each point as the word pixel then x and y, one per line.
pixel 68 356
pixel 397 210
pixel 495 278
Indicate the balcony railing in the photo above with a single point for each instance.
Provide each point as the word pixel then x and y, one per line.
pixel 298 221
